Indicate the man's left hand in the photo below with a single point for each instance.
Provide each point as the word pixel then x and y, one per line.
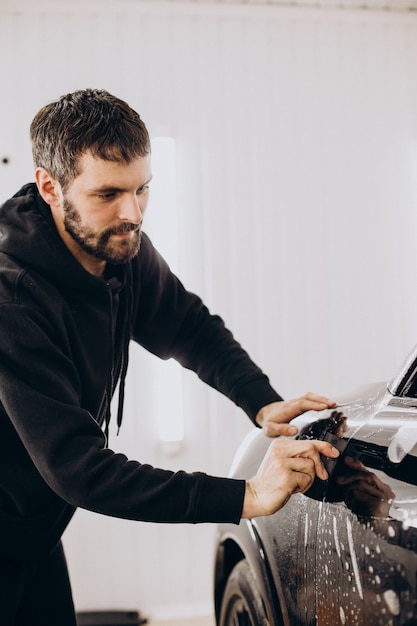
pixel 274 418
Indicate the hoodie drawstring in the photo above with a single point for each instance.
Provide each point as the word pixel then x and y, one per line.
pixel 126 336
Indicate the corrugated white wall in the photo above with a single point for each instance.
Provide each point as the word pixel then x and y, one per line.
pixel 296 137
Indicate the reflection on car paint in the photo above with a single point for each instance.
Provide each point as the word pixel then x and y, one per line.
pixel 402 443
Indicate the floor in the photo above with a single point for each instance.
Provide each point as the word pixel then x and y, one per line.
pixel 186 621
pixel 194 621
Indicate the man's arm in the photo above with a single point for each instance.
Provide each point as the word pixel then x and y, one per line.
pixel 172 322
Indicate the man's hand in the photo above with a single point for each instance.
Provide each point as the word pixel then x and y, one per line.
pixel 288 467
pixel 274 417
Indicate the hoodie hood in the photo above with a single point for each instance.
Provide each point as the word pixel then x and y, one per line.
pixel 29 236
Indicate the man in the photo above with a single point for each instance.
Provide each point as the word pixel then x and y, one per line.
pixel 78 281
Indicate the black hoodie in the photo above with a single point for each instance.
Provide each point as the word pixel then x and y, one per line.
pixel 64 337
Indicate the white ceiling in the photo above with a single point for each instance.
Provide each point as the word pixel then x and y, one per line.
pixel 392 5
pixel 365 5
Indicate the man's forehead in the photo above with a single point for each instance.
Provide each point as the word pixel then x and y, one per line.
pixel 92 159
pixel 110 171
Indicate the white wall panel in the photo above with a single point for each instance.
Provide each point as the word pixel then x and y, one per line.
pixel 296 137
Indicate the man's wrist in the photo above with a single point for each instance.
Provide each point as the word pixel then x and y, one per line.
pixel 248 509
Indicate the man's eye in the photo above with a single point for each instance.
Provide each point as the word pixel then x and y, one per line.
pixel 107 196
pixel 142 189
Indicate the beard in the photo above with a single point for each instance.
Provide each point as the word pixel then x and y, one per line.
pixel 98 244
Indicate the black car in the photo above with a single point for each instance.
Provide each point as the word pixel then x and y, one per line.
pixel 346 551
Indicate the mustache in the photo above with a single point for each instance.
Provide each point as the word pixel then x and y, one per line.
pixel 124 228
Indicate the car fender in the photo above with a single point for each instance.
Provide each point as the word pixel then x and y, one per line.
pixel 237 542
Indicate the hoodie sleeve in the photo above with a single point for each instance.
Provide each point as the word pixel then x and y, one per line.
pixel 40 394
pixel 172 322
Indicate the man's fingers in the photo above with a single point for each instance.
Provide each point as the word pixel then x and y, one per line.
pixel 315 402
pixel 288 467
pixel 303 474
pixel 281 430
pixel 310 449
pixel 284 411
pixel 306 448
pixel 317 397
pixel 325 448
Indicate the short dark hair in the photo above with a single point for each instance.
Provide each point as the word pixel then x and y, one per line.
pixel 86 120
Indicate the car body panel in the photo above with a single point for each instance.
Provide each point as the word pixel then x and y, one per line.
pixel 346 551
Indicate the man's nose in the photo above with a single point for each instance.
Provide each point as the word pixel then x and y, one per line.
pixel 130 210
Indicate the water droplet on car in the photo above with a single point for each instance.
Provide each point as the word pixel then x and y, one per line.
pixel 392 601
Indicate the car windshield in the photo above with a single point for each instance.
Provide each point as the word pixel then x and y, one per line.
pixel 405 384
pixel 408 388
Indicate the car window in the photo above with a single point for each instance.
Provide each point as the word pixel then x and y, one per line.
pixel 404 385
pixel 408 389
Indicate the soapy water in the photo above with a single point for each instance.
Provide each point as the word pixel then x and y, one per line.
pixel 359 579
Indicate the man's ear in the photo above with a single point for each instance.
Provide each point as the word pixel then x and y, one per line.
pixel 48 187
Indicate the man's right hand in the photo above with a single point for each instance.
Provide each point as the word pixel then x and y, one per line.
pixel 288 467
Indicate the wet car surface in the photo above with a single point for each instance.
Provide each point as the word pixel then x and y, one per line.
pixel 346 551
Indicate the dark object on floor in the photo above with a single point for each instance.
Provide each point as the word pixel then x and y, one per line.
pixel 110 618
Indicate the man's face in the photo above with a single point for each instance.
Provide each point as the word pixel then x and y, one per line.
pixel 102 210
